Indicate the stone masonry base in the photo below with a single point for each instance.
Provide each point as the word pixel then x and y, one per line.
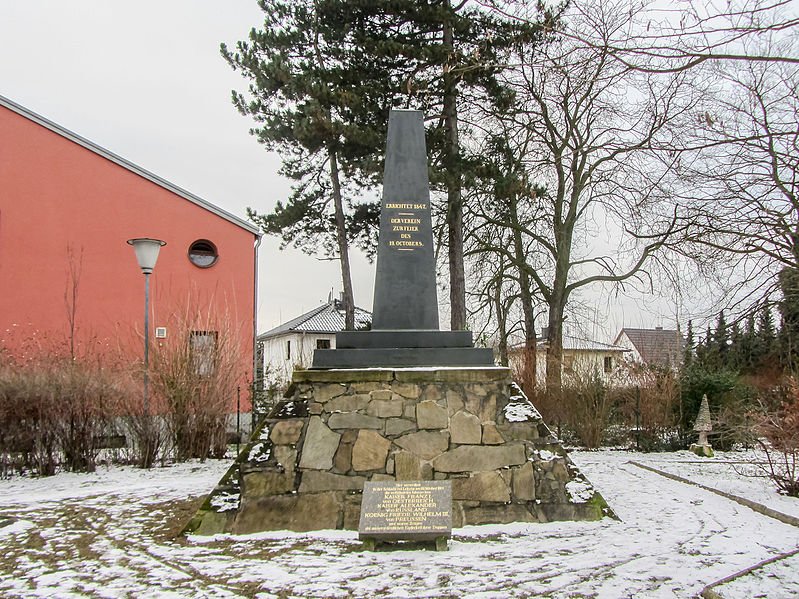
pixel 304 469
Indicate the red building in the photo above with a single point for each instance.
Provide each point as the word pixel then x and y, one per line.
pixel 67 207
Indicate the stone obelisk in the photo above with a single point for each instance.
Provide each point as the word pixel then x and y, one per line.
pixel 405 312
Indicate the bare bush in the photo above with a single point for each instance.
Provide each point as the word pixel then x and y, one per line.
pixel 55 411
pixel 780 442
pixel 586 404
pixel 648 398
pixel 193 375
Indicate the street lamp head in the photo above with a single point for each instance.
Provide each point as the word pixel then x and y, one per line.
pixel 146 252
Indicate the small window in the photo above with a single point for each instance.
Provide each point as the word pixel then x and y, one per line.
pixel 202 345
pixel 323 344
pixel 608 364
pixel 203 253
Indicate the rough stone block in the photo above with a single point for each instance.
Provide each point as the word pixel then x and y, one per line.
pixel 481 486
pixel 407 466
pixel 397 426
pixel 214 523
pixel 498 514
pixel 382 394
pixel 384 409
pixel 347 403
pixel 407 390
pixel 315 408
pixel 352 512
pixel 432 393
pixel 326 392
pixel 354 420
pixel 365 387
pixel 286 432
pixel 409 410
pixel 478 458
pixel 300 513
pixel 431 415
pixel 380 477
pixel 524 482
pixel 370 451
pixel 320 445
pixel 454 401
pixel 268 482
pixel 464 428
pixel 314 481
pixel 425 444
pixel 343 458
pixel 286 456
pixel 349 436
pixel 492 436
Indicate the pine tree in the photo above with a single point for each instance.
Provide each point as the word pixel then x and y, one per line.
pixel 789 312
pixel 688 348
pixel 764 350
pixel 721 339
pixel 326 124
pixel 442 58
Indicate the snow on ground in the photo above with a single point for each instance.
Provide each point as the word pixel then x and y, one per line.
pixel 112 534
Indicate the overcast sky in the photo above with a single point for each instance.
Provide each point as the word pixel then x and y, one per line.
pixel 145 80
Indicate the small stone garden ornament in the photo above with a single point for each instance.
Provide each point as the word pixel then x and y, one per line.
pixel 703 426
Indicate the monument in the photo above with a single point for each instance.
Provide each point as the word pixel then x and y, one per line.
pixel 402 403
pixel 405 328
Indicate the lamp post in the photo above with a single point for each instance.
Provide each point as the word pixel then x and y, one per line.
pixel 146 255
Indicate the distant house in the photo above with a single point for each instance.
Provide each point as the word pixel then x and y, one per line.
pixel 291 345
pixel 658 346
pixel 580 357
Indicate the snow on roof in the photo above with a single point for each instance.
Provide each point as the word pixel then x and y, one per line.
pixel 577 344
pixel 656 346
pixel 116 159
pixel 327 318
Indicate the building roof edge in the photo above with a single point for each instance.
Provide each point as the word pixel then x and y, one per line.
pixel 126 164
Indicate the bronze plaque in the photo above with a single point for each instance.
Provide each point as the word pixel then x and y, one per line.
pixel 413 510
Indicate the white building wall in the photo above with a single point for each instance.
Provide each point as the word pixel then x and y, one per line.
pixel 279 365
pixel 624 341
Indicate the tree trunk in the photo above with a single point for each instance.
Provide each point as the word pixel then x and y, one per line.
pixel 529 364
pixel 502 317
pixel 343 249
pixel 557 304
pixel 457 283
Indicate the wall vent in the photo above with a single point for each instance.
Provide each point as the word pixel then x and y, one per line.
pixel 160 332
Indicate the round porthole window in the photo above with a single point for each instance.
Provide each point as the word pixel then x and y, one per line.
pixel 203 253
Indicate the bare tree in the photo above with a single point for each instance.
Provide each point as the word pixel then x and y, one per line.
pixel 743 172
pixel 589 132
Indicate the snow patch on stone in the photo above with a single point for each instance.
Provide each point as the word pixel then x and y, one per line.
pixel 580 491
pixel 224 502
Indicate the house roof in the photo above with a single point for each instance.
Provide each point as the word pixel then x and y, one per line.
pixel 655 346
pixel 108 155
pixel 327 318
pixel 577 344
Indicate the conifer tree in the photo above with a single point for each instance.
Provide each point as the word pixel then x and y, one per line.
pixel 325 122
pixel 442 58
pixel 688 348
pixel 721 339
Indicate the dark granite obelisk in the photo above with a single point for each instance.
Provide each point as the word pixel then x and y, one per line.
pixel 405 313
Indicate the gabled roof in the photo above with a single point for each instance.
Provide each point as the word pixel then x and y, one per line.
pixel 577 344
pixel 108 155
pixel 327 318
pixel 655 346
